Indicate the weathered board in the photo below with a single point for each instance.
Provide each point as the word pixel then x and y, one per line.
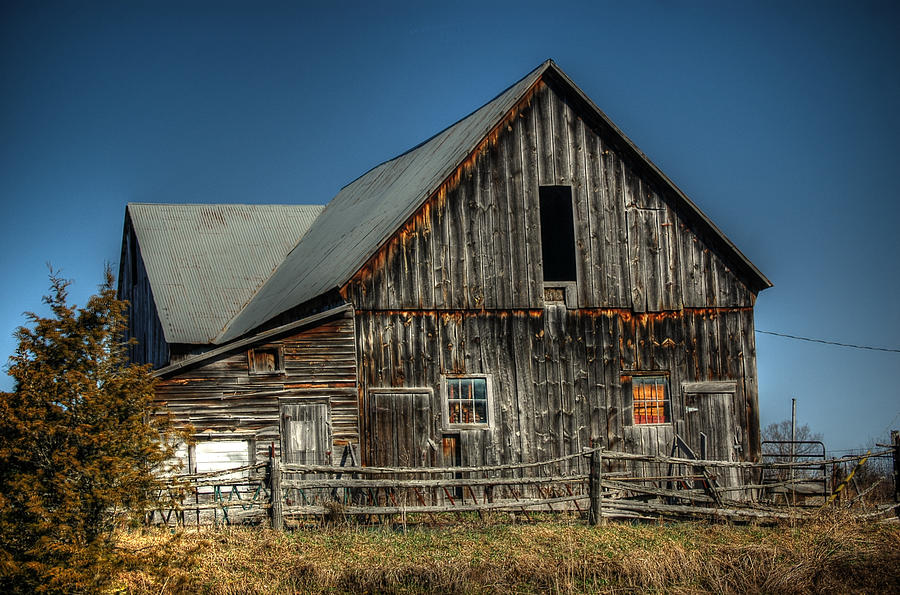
pixel 402 428
pixel 459 290
pixel 222 396
pixel 306 431
pixel 556 378
pixel 711 432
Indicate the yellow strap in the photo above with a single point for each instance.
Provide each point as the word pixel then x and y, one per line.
pixel 844 483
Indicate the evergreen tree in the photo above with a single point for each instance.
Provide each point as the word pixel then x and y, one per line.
pixel 80 445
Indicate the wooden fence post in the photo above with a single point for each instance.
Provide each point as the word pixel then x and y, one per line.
pixel 895 442
pixel 837 478
pixel 595 480
pixel 276 510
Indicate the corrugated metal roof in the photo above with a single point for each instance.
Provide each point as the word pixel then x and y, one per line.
pixel 367 211
pixel 205 262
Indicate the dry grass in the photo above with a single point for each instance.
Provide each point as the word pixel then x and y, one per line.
pixel 832 554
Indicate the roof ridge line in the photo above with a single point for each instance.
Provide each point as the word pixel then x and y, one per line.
pixel 275 226
pixel 691 205
pixel 323 268
pixel 543 64
pixel 221 204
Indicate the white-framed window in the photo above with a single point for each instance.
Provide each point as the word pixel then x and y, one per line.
pixel 221 452
pixel 467 401
pixel 266 360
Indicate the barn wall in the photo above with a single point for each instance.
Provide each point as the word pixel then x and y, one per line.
pixel 557 375
pixel 222 396
pixel 459 290
pixel 476 243
pixel 143 321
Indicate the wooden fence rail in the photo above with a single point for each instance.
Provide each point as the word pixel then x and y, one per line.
pixel 625 456
pixel 278 491
pixel 426 483
pixel 294 468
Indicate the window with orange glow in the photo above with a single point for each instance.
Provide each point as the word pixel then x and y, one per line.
pixel 650 401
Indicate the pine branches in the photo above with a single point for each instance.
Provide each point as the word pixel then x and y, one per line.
pixel 79 445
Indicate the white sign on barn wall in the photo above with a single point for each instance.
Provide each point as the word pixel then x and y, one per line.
pixel 218 455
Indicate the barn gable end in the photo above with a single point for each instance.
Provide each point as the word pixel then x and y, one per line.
pixel 144 326
pixel 476 242
pixel 460 290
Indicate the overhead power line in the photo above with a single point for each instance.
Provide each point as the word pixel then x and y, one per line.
pixel 870 348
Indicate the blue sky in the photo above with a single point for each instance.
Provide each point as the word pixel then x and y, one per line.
pixel 777 118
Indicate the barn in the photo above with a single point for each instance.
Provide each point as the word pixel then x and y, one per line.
pixel 521 285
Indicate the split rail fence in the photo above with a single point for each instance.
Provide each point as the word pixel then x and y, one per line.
pixel 597 483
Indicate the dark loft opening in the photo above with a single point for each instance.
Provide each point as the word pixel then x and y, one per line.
pixel 557 233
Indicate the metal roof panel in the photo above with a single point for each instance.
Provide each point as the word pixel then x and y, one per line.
pixel 205 262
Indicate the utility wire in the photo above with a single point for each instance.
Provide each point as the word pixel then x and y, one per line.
pixel 829 342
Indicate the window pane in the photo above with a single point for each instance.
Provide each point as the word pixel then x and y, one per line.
pixel 649 399
pixel 466 416
pixel 481 412
pixel 480 386
pixel 454 413
pixel 217 455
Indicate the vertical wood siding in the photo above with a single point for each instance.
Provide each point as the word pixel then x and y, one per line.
pixel 459 290
pixel 222 396
pixel 557 375
pixel 476 244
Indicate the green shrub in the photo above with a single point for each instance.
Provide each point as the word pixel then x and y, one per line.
pixel 79 445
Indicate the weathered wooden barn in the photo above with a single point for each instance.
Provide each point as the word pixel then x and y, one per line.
pixel 520 285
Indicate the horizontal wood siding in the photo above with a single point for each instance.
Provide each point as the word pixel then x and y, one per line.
pixel 222 396
pixel 475 244
pixel 557 374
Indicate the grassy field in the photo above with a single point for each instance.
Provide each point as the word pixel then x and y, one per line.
pixel 832 554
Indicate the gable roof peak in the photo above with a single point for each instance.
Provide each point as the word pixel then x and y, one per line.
pixel 367 211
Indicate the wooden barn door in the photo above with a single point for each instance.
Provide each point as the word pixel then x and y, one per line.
pixel 306 433
pixel 709 429
pixel 401 424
